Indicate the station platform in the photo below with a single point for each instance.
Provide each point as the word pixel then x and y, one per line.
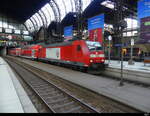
pixel 138 72
pixel 138 66
pixel 129 94
pixel 13 98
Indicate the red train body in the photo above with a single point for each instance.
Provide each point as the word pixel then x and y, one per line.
pixel 15 52
pixel 31 51
pixel 79 53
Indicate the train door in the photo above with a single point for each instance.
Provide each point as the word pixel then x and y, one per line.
pixel 33 54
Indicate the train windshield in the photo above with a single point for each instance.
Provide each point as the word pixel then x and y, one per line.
pixel 94 46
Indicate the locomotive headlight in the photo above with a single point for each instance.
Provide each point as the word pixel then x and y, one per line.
pixel 103 60
pixel 101 55
pixel 92 55
pixel 91 61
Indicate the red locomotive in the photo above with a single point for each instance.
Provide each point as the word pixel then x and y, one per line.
pixel 78 53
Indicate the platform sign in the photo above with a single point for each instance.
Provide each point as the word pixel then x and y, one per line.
pixel 96 22
pixel 132 42
pixel 68 31
pixel 143 8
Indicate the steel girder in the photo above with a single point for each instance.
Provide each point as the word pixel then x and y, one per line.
pixel 37 18
pixel 26 27
pixel 35 22
pixel 41 18
pixel 56 10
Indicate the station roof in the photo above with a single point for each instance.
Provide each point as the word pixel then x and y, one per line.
pixel 20 10
pixel 96 8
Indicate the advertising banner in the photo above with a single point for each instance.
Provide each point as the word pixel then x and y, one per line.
pixel 143 8
pixel 145 30
pixel 96 35
pixel 96 22
pixel 68 33
pixel 95 27
pixel 144 19
pixel 145 24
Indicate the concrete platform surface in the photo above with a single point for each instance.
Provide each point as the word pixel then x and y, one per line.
pixel 9 100
pixel 132 95
pixel 13 98
pixel 138 66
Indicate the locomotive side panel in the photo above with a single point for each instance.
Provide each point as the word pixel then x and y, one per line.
pixel 67 53
pixel 53 53
pixel 81 52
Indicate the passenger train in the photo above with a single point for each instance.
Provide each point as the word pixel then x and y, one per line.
pixel 79 53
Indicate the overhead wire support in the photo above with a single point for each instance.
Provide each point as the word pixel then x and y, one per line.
pixel 120 26
pixel 57 14
pixel 79 6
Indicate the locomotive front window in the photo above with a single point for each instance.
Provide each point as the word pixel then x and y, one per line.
pixel 94 46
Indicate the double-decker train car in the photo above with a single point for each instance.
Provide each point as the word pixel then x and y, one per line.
pixel 79 53
pixel 31 52
pixel 15 52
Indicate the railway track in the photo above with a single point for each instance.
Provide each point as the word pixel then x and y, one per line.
pixel 56 99
pixel 101 103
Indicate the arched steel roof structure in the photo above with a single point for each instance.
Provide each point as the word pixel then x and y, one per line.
pixel 37 13
pixel 54 10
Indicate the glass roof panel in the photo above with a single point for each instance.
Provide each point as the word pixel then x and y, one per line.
pixel 65 7
pixel 39 19
pixel 86 3
pixel 47 14
pixel 51 12
pixel 62 8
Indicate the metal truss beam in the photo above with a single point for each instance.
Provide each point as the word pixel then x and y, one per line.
pixel 46 22
pixel 41 18
pixel 56 10
pixel 35 22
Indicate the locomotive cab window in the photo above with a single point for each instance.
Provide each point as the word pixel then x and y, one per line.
pixel 94 46
pixel 78 48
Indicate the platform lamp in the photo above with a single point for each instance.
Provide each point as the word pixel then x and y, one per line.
pixel 109 39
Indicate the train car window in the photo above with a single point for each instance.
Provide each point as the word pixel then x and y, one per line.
pixel 78 48
pixel 94 46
